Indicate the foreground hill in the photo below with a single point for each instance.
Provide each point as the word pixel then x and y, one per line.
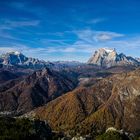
pixel 23 95
pixel 113 101
pixel 24 129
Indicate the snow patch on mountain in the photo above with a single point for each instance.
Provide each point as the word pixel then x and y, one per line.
pixel 108 50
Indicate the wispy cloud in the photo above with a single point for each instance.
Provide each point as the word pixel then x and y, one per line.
pixel 6 49
pixel 13 47
pixel 6 35
pixel 96 20
pixel 106 35
pixel 54 42
pixel 6 23
pixel 92 35
pixel 86 43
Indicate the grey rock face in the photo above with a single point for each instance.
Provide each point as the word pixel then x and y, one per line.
pixel 18 59
pixel 109 57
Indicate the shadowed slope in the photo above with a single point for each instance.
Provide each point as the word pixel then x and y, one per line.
pixel 113 101
pixel 34 90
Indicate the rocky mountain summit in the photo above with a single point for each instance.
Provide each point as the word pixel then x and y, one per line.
pixel 18 59
pixel 109 57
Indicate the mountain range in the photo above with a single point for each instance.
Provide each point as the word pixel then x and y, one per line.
pixel 17 59
pixel 73 97
pixel 102 57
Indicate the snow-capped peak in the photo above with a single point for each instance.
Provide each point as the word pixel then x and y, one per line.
pixel 13 53
pixel 109 57
pixel 108 50
pixel 17 53
pixel 16 58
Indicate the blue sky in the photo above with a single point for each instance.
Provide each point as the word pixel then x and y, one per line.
pixel 69 29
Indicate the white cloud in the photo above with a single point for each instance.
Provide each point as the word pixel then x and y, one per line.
pixel 6 49
pixel 96 20
pixel 22 23
pixel 92 35
pixel 10 24
pixel 86 43
pixel 103 36
pixel 17 47
pixel 6 35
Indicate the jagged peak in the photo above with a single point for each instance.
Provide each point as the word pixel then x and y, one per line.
pixel 43 72
pixel 107 57
pixel 14 52
pixel 17 58
pixel 17 53
pixel 108 50
pixel 46 70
